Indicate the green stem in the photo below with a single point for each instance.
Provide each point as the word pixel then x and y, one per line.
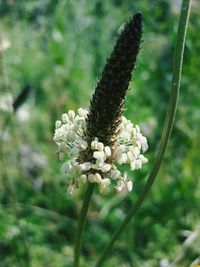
pixel 169 121
pixel 81 223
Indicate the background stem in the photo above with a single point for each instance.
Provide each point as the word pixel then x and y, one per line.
pixel 81 223
pixel 169 121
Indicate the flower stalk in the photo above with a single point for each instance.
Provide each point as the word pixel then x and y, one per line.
pixel 81 223
pixel 169 121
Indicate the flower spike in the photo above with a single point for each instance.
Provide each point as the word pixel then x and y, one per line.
pixel 106 105
pixel 100 139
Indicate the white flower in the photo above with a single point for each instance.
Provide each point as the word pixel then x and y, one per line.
pixel 94 144
pixel 107 151
pixel 135 151
pixel 99 155
pixel 65 117
pixel 91 178
pixel 100 167
pixel 138 164
pixel 118 151
pixel 123 158
pixel 71 114
pixel 143 159
pixel 98 164
pixel 129 127
pixel 58 124
pixel 82 112
pixel 130 156
pixel 86 166
pixel 83 144
pixel 115 174
pixel 106 168
pixel 120 185
pixel 100 146
pixel 105 182
pixel 124 183
pixel 133 167
pixel 129 186
pixel 98 178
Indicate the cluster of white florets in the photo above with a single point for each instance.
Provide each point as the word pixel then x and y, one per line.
pixel 101 168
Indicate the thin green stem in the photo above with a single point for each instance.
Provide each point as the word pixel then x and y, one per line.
pixel 81 223
pixel 169 121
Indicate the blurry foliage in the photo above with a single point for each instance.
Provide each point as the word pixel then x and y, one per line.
pixel 59 49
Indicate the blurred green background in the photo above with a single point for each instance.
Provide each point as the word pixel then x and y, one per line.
pixel 59 48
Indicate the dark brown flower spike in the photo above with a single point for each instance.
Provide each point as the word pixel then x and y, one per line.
pixel 106 106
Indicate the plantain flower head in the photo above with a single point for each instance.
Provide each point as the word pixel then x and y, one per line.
pixel 96 141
